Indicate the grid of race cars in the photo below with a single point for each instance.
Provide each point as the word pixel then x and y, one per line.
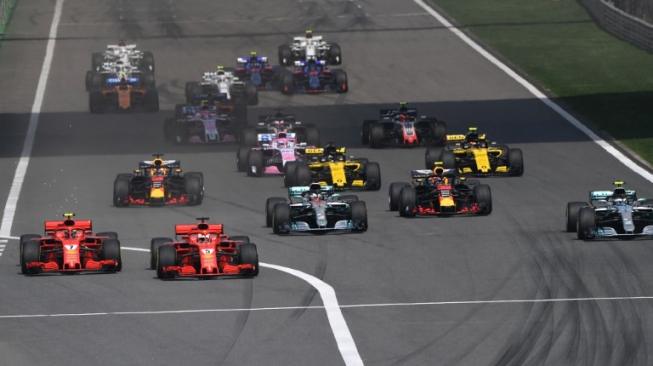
pixel 317 176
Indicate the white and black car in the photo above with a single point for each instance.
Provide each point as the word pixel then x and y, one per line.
pixel 309 47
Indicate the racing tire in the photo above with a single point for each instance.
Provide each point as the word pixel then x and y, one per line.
pixel 192 89
pixel 247 254
pixel 121 190
pixel 108 234
pixel 438 133
pixel 407 202
pixel 349 198
pixel 376 136
pixel 516 162
pixel 269 209
pixel 289 176
pixel 302 175
pixel 365 132
pixel 335 54
pixel 194 188
pixel 155 244
pixel 151 100
pixel 586 223
pixel 97 59
pixel 111 251
pixel 249 137
pixel 251 93
pixel 242 158
pixel 359 216
pixel 448 159
pixel 432 155
pixel 24 239
pixel 394 194
pixel 255 163
pixel 341 83
pixel 31 253
pixel 244 239
pixel 312 136
pixel 167 257
pixel 286 82
pixel 573 209
pixel 96 102
pixel 483 197
pixel 285 55
pixel 372 176
pixel 281 219
pixel 148 61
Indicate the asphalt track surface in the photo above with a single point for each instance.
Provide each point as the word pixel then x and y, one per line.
pixel 392 50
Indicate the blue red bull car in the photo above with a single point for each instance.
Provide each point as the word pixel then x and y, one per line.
pixel 313 76
pixel 256 70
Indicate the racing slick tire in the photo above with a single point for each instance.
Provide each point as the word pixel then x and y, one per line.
pixel 108 234
pixel 111 251
pixel 302 176
pixel 335 54
pixel 586 223
pixel 31 253
pixel 244 239
pixel 341 83
pixel 251 93
pixel 242 158
pixel 573 209
pixel 26 238
pixel 359 216
pixel 434 154
pixel 394 194
pixel 151 100
pixel 376 136
pixel 269 209
pixel 247 254
pixel 289 176
pixel 483 197
pixel 372 176
pixel 286 82
pixel 148 61
pixel 349 198
pixel 365 131
pixel 192 89
pixel 167 257
pixel 96 102
pixel 155 244
pixel 249 137
pixel 121 190
pixel 194 188
pixel 516 162
pixel 281 219
pixel 255 163
pixel 407 201
pixel 285 55
pixel 97 59
pixel 438 133
pixel 312 137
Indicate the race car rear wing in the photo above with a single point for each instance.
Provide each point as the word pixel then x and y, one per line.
pixel 390 112
pixel 51 226
pixel 187 229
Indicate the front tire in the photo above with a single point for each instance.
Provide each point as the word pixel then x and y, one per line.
pixel 167 257
pixel 269 209
pixel 155 244
pixel 573 210
pixel 281 219
pixel 359 216
pixel 586 223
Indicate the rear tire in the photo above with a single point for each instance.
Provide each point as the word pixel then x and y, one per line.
pixel 192 90
pixel 573 209
pixel 285 55
pixel 269 209
pixel 97 59
pixel 242 158
pixel 289 177
pixel 586 223
pixel 359 216
pixel 281 219
pixel 155 244
pixel 121 190
pixel 439 133
pixel 341 83
pixel 432 155
pixel 148 61
pixel 167 257
pixel 365 132
pixel 372 176
pixel 394 194
pixel 335 54
pixel 287 82
pixel 516 162
pixel 194 188
pixel 302 175
pixel 376 136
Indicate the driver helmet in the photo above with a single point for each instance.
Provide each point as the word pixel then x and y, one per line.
pixel 403 107
pixel 202 238
pixel 122 43
pixel 472 136
pixel 253 56
pixel 308 34
pixel 220 70
pixel 619 194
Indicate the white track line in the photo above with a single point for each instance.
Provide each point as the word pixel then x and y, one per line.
pixel 19 176
pixel 341 333
pixel 625 160
pixel 317 307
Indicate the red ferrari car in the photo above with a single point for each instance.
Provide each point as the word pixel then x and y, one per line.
pixel 69 246
pixel 203 251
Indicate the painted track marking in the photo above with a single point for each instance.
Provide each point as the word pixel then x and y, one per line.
pixel 317 307
pixel 3 245
pixel 339 328
pixel 625 160
pixel 21 169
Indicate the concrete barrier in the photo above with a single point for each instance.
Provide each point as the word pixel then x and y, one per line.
pixel 621 24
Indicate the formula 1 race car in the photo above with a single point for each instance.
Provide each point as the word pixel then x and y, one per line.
pixel 308 47
pixel 223 88
pixel 331 166
pixel 277 123
pixel 158 182
pixel 121 86
pixel 439 192
pixel 125 53
pixel 203 251
pixel 69 246
pixel 473 154
pixel 611 214
pixel 315 208
pixel 255 70
pixel 200 125
pixel 403 127
pixel 312 76
pixel 274 152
